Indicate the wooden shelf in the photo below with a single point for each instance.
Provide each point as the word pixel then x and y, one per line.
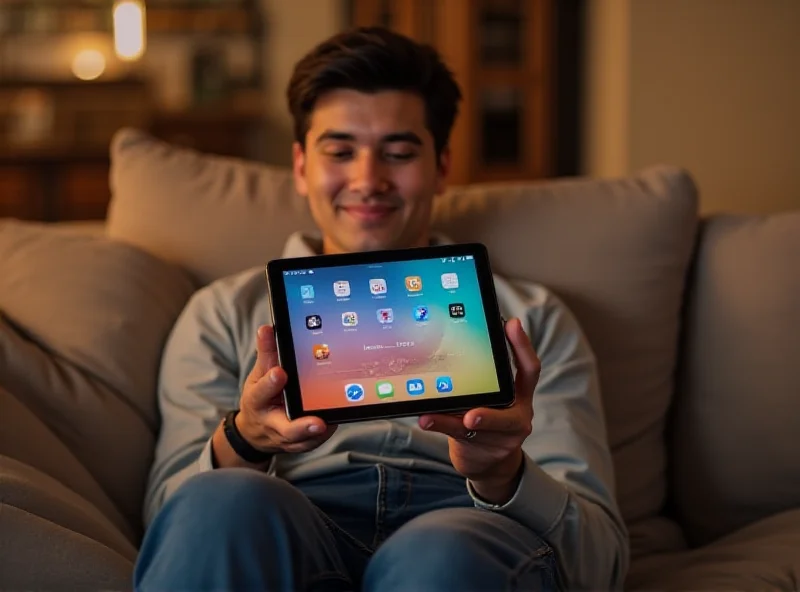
pixel 183 18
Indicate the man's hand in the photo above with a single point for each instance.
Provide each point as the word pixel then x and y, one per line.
pixel 492 459
pixel 262 417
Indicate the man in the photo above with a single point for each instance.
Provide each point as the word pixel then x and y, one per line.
pixel 408 504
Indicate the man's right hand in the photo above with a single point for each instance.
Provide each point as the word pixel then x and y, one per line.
pixel 262 417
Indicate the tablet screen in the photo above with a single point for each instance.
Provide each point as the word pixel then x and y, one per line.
pixel 391 332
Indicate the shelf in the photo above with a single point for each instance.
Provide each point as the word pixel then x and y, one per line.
pixel 50 18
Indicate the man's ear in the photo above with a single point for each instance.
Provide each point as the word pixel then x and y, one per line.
pixel 299 169
pixel 443 170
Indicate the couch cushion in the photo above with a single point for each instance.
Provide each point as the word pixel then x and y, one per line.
pixel 762 556
pixel 616 251
pixel 25 488
pixel 25 439
pixel 212 215
pixel 86 319
pixel 36 554
pixel 737 413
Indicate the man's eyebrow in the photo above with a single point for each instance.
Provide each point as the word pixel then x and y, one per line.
pixel 409 137
pixel 334 135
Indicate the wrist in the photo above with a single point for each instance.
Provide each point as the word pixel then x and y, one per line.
pixel 501 487
pixel 231 448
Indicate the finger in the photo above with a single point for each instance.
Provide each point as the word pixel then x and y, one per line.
pixel 311 443
pixel 266 353
pixel 445 424
pixel 266 392
pixel 291 431
pixel 507 421
pixel 525 358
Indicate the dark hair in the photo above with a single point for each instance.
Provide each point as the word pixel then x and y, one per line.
pixel 372 59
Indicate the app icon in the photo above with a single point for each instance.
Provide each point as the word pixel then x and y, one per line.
pixel 457 310
pixel 377 286
pixel 415 386
pixel 449 281
pixel 444 384
pixel 321 351
pixel 341 288
pixel 313 322
pixel 413 283
pixel 385 315
pixel 354 392
pixel 349 319
pixel 421 313
pixel 306 292
pixel 385 389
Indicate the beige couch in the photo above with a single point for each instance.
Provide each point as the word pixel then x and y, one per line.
pixel 695 323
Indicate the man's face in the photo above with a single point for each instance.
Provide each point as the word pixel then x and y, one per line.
pixel 369 170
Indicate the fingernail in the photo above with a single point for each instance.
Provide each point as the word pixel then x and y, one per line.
pixel 427 424
pixel 476 421
pixel 313 428
pixel 273 376
pixel 261 331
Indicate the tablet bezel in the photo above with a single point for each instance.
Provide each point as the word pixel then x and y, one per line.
pixel 279 308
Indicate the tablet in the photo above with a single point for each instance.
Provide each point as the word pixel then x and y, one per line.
pixel 393 333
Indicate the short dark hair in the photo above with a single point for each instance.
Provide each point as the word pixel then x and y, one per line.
pixel 372 59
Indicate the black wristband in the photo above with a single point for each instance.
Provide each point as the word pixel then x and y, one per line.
pixel 240 446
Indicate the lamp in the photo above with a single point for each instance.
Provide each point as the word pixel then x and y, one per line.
pixel 130 29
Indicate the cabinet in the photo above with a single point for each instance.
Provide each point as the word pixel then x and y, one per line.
pixel 502 53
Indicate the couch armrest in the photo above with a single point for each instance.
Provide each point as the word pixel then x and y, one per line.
pixel 31 491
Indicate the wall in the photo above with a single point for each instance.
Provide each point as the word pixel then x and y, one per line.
pixel 711 85
pixel 293 28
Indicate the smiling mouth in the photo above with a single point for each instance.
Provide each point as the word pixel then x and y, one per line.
pixel 370 213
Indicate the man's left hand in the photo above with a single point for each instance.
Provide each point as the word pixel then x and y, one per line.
pixel 493 457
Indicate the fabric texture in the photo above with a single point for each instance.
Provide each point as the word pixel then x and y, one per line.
pixel 736 457
pixel 358 530
pixel 616 251
pixel 85 320
pixel 37 554
pixel 24 438
pixel 763 556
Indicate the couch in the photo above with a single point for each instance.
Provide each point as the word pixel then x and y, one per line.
pixel 695 322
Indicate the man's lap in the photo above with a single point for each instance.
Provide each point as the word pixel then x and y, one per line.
pixel 397 526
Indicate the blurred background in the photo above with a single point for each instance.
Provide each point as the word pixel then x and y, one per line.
pixel 552 88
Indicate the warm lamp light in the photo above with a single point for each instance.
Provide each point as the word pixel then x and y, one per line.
pixel 88 64
pixel 129 29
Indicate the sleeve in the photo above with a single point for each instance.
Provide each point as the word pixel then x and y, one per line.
pixel 566 492
pixel 198 384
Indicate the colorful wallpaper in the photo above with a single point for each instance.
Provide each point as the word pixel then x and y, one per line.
pixel 396 331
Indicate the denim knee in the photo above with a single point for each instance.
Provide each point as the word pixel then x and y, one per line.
pixel 461 549
pixel 216 531
pixel 228 504
pixel 234 493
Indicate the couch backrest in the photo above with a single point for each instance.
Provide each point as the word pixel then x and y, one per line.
pixel 617 251
pixel 736 438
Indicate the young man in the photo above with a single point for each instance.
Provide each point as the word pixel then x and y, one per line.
pixel 488 501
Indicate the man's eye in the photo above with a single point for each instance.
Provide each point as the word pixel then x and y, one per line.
pixel 339 154
pixel 400 156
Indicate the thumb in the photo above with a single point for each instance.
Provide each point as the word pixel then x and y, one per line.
pixel 266 393
pixel 266 354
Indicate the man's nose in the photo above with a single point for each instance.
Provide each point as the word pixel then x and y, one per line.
pixel 369 175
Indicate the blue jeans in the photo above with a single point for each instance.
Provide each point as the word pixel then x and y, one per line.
pixel 371 528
